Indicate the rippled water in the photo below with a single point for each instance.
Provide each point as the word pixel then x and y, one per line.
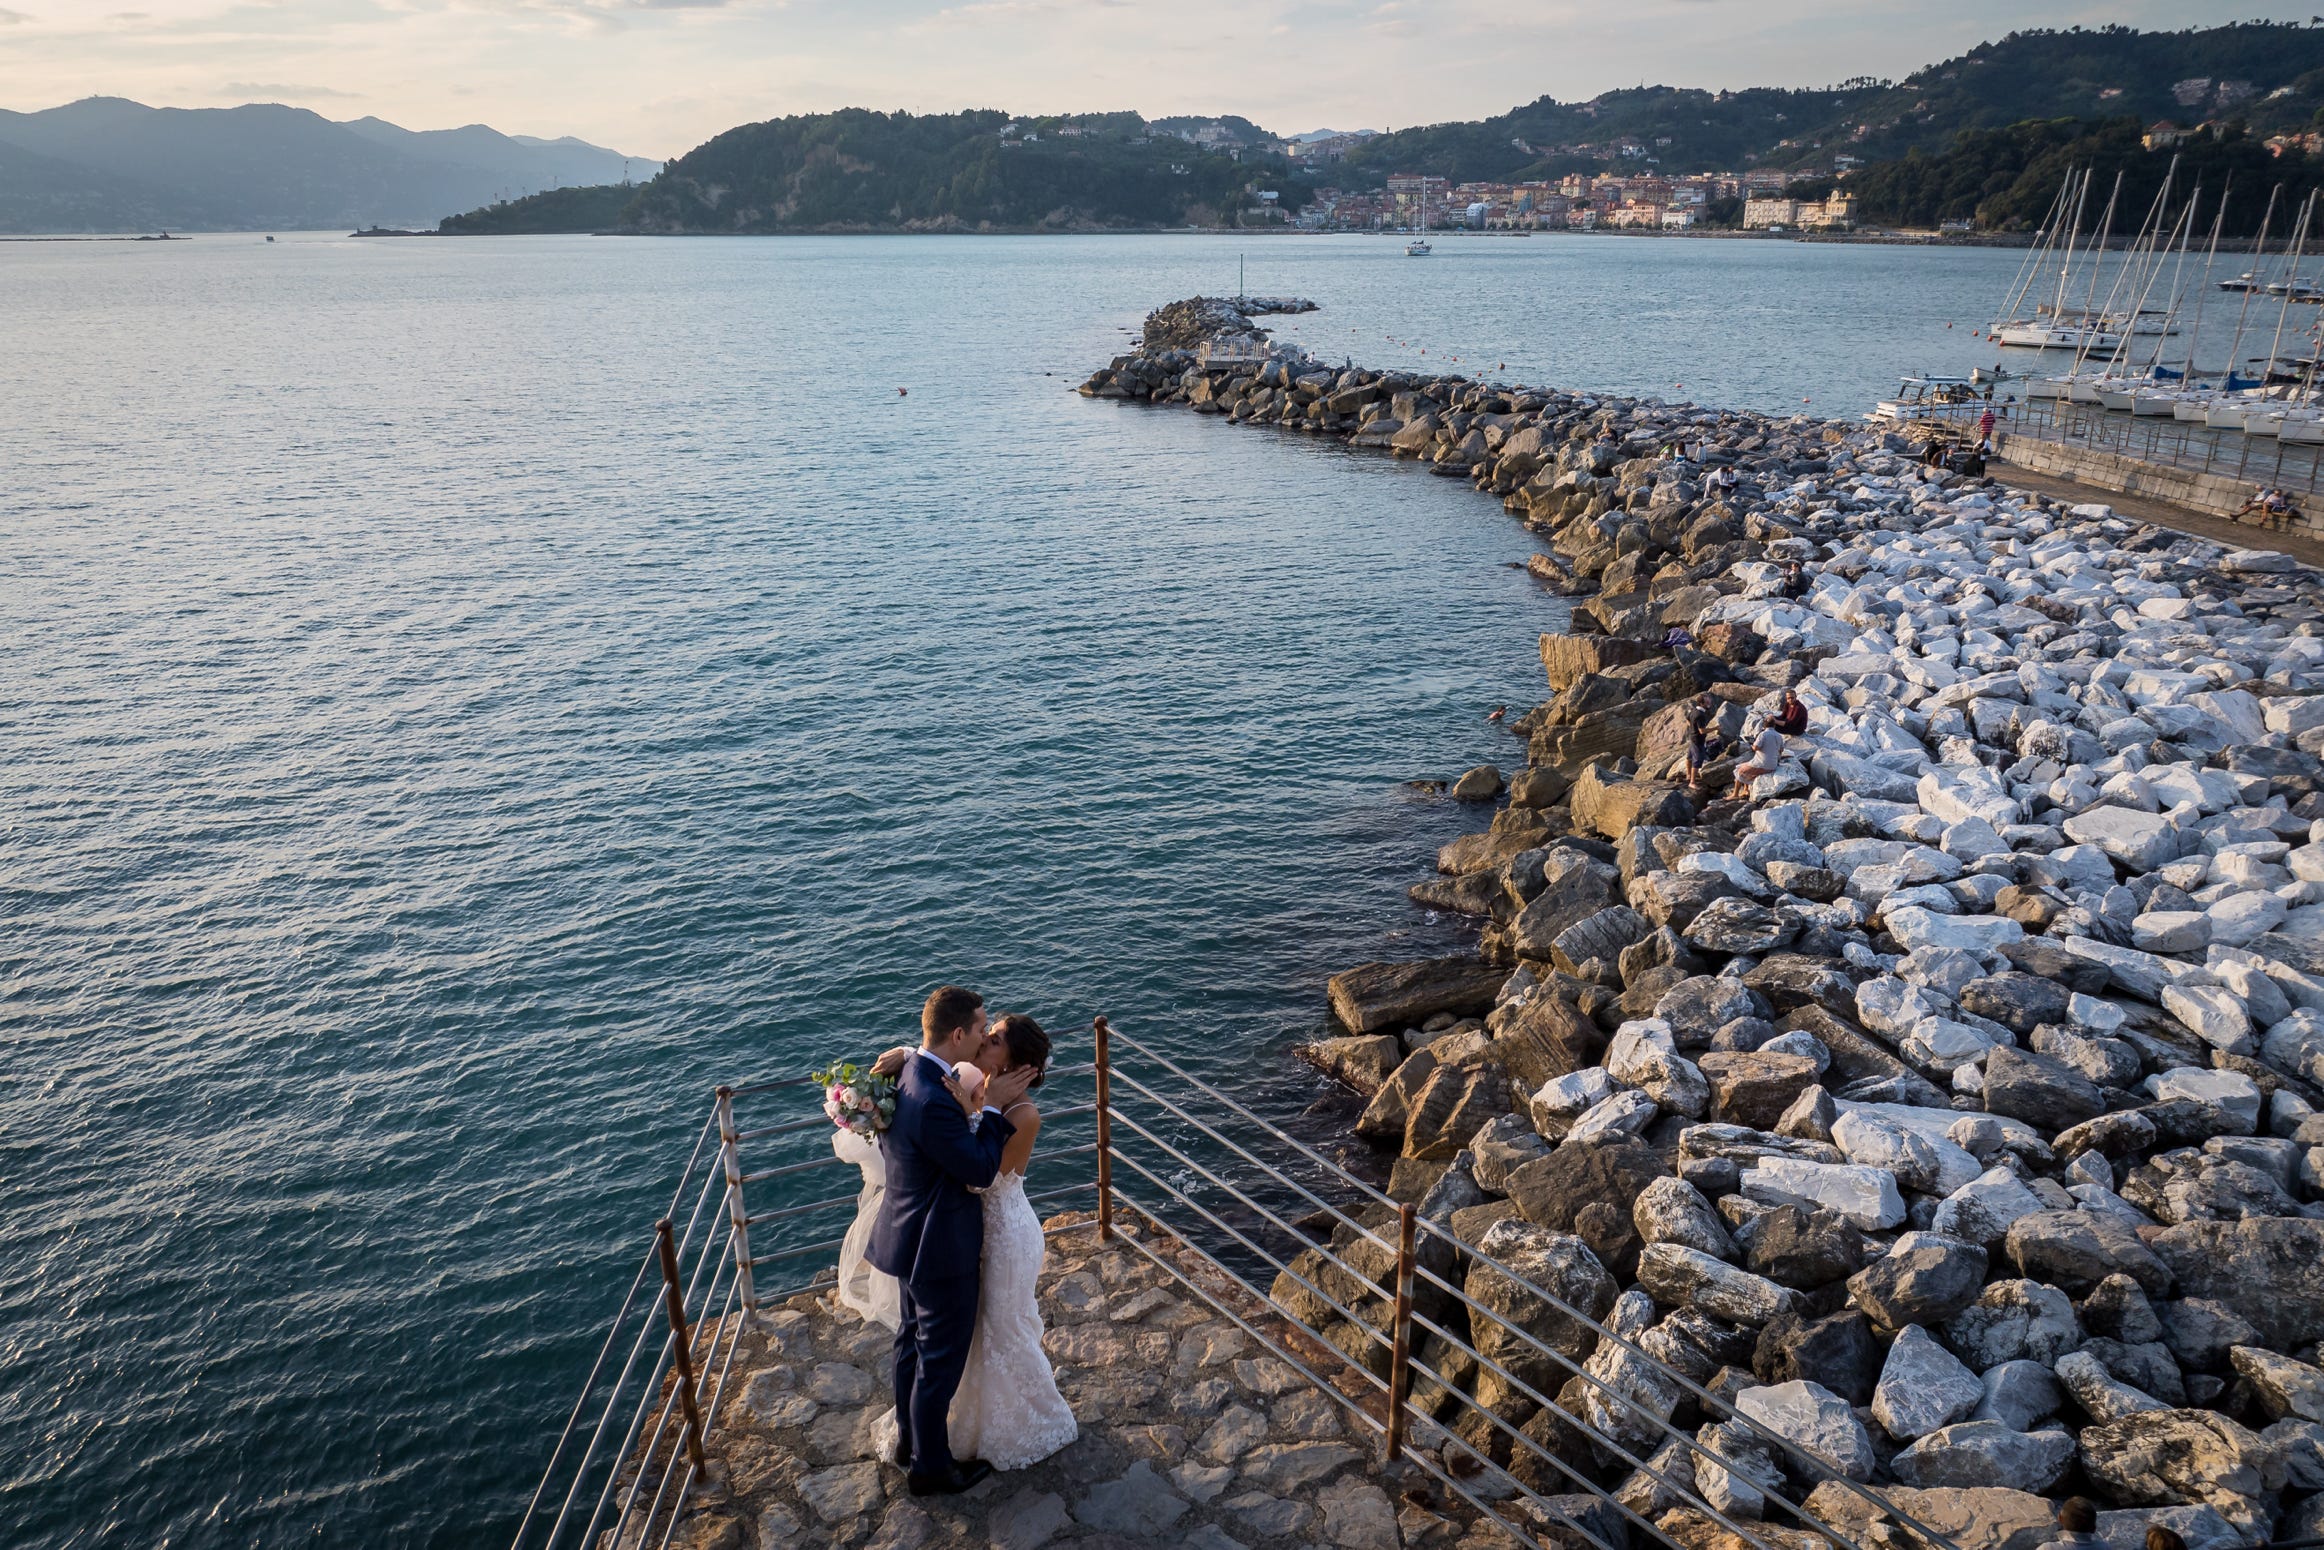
pixel 462 699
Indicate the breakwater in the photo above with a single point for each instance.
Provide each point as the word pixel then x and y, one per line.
pixel 1945 1097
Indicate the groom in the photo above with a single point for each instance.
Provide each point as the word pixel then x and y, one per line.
pixel 930 1230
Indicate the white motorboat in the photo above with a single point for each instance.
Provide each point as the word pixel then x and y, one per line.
pixel 1928 398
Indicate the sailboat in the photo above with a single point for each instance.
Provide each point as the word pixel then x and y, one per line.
pixel 1418 247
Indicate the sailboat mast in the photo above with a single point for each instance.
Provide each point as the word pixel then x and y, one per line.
pixel 2145 251
pixel 2185 227
pixel 2195 329
pixel 2243 313
pixel 2036 253
pixel 2299 242
pixel 2073 236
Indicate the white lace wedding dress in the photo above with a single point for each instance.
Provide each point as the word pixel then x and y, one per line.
pixel 1007 1411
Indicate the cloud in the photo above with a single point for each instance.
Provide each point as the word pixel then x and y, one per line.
pixel 10 18
pixel 280 90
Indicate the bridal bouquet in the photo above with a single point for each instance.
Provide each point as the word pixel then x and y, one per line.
pixel 856 1098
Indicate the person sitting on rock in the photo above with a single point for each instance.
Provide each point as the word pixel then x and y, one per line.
pixel 1766 755
pixel 1795 581
pixel 2078 1517
pixel 1791 715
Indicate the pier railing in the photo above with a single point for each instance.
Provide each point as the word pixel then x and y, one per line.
pixel 2292 466
pixel 736 1239
pixel 1363 1296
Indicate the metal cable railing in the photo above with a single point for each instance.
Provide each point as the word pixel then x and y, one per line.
pixel 1215 1182
pixel 636 1443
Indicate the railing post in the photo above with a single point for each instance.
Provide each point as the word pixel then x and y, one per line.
pixel 683 1343
pixel 730 1155
pixel 1105 1134
pixel 1400 1368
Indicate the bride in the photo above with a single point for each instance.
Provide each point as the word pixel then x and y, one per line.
pixel 1007 1410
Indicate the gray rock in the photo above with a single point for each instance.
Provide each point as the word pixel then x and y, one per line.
pixel 1502 1147
pixel 2268 1270
pixel 1865 1196
pixel 2202 1528
pixel 1925 1278
pixel 2019 1002
pixel 1670 1210
pixel 2187 1185
pixel 1027 1520
pixel 1816 1419
pixel 1982 1210
pixel 1970 1454
pixel 843 1492
pixel 2046 1093
pixel 1806 1248
pixel 2202 1333
pixel 1698 1007
pixel 1481 784
pixel 2078 1249
pixel 1560 1265
pixel 1810 1117
pixel 1679 1277
pixel 2171 1457
pixel 2102 1396
pixel 2020 1394
pixel 2284 1387
pixel 1292 1466
pixel 1836 1351
pixel 1739 926
pixel 2012 1321
pixel 1357 1515
pixel 1922 1386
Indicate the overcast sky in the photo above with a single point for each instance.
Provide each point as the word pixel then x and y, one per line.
pixel 656 77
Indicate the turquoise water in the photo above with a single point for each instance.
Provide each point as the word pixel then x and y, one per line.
pixel 464 699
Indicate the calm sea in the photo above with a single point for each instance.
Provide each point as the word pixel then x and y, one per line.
pixel 463 699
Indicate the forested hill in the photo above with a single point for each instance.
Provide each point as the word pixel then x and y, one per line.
pixel 2043 74
pixel 2005 179
pixel 982 171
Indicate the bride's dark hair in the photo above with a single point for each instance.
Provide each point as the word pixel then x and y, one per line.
pixel 1027 1044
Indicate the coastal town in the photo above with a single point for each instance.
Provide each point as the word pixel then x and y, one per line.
pixel 1758 201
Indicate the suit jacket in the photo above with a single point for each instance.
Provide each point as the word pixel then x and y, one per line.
pixel 930 1228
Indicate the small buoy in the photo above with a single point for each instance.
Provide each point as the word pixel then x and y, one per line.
pixel 903 392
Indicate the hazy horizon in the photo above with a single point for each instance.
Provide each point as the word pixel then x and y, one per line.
pixel 654 78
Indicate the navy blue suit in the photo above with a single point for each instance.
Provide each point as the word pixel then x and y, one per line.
pixel 930 1237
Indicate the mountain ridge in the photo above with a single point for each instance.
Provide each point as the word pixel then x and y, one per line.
pixel 112 164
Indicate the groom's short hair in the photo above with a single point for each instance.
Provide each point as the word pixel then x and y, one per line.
pixel 949 1009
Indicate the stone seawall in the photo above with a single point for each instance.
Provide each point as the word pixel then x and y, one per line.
pixel 2216 495
pixel 1945 1099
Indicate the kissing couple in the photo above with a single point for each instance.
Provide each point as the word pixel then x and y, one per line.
pixel 974 1392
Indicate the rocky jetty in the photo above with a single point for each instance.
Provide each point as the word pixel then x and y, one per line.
pixel 1947 1099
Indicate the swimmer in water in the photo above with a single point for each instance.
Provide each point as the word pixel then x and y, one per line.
pixel 1497 713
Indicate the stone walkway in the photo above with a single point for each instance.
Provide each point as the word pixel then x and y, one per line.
pixel 1193 1436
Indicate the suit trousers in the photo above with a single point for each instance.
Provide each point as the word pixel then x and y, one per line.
pixel 936 1320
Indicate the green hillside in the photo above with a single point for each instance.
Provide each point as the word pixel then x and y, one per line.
pixel 598 207
pixel 2038 74
pixel 863 171
pixel 2005 179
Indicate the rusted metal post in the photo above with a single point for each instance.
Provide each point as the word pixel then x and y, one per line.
pixel 666 1238
pixel 730 1157
pixel 1105 1134
pixel 1400 1368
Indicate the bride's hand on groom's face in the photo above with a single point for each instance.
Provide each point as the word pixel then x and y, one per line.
pixel 1008 1087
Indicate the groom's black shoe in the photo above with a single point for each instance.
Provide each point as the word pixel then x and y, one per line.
pixel 964 1474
